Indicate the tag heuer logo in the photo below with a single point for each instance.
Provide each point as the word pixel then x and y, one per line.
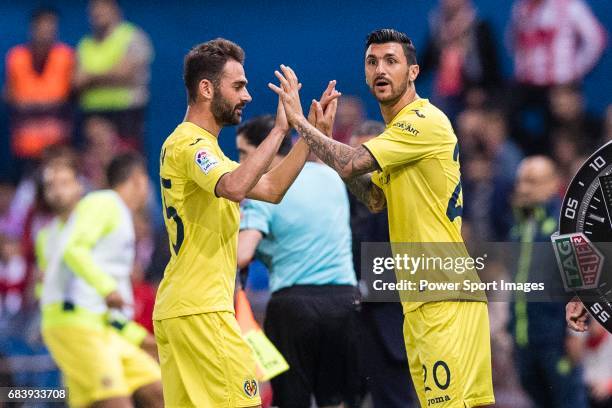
pixel 250 388
pixel 580 262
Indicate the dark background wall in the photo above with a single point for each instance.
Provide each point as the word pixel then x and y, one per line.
pixel 321 40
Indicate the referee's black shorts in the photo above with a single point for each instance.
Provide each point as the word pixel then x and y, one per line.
pixel 314 328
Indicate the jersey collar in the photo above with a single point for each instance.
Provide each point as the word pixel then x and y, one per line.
pixel 417 103
pixel 200 131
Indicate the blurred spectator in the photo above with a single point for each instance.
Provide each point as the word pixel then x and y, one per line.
pixel 490 160
pixel 7 192
pixel 462 51
pixel 385 364
pixel 12 277
pixel 554 43
pixel 469 125
pixel 569 113
pixel 349 116
pixel 113 70
pixel 102 144
pixel 478 190
pixel 597 367
pixel 475 176
pixel 505 157
pixel 568 150
pixel 547 356
pixel 38 84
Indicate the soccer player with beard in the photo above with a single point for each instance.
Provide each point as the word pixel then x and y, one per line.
pixel 412 168
pixel 205 361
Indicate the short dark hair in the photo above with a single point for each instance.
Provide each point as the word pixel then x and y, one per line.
pixel 387 35
pixel 206 61
pixel 112 3
pixel 122 167
pixel 61 155
pixel 255 131
pixel 43 11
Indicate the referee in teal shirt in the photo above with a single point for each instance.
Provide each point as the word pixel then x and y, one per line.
pixel 305 242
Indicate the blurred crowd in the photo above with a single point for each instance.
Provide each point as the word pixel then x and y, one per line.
pixel 88 104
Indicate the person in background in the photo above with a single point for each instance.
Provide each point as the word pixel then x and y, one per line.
pixel 569 150
pixel 554 43
pixel 7 193
pixel 113 70
pixel 504 156
pixel 462 51
pixel 597 367
pixel 86 255
pixel 102 143
pixel 569 114
pixel 382 349
pixel 305 241
pixel 12 277
pixel 38 84
pixel 349 116
pixel 547 354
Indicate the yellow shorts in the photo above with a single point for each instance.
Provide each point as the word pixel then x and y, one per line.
pixel 449 354
pixel 205 362
pixel 98 364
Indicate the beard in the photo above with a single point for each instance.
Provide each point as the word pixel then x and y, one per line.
pixel 395 94
pixel 223 111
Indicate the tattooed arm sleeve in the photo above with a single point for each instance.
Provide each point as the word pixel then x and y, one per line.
pixel 349 162
pixel 367 192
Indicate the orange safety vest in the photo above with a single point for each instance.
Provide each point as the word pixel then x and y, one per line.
pixel 25 86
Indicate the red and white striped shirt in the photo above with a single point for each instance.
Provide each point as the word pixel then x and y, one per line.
pixel 555 41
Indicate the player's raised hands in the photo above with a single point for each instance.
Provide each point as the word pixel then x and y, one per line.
pixel 281 118
pixel 323 112
pixel 576 315
pixel 325 109
pixel 289 93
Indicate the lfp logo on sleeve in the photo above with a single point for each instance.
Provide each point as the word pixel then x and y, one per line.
pixel 206 161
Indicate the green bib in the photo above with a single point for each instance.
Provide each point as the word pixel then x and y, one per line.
pixel 99 57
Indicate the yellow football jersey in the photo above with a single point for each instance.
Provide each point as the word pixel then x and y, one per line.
pixel 203 228
pixel 419 160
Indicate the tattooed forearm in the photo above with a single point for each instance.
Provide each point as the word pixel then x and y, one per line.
pixel 346 160
pixel 367 192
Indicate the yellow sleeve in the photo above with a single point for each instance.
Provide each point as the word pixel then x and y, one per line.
pixel 95 216
pixel 396 146
pixel 206 167
pixel 39 249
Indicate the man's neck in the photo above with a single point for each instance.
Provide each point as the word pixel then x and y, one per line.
pixel 391 110
pixel 202 116
pixel 105 32
pixel 126 196
pixel 64 215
